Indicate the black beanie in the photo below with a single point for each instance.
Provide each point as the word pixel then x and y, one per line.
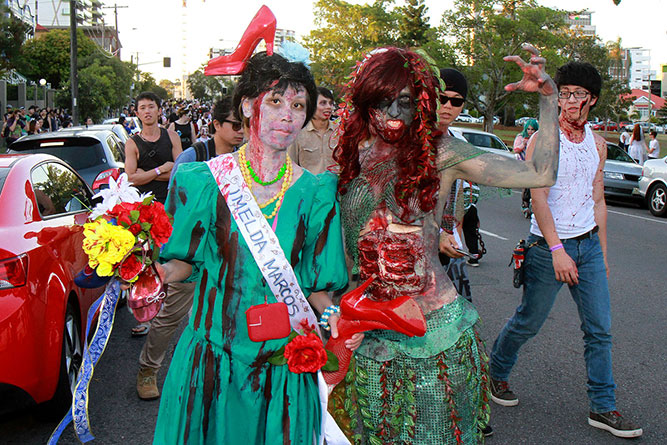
pixel 455 81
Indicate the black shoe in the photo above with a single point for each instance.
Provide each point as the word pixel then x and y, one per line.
pixel 615 423
pixel 487 431
pixel 501 393
pixel 473 262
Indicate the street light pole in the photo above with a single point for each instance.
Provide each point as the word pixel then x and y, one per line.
pixel 73 76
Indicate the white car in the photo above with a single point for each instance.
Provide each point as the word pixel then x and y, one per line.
pixel 135 123
pixel 653 185
pixel 463 117
pixel 486 141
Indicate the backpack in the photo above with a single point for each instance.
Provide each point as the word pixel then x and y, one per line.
pixel 202 151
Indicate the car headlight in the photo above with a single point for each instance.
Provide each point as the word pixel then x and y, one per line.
pixel 613 175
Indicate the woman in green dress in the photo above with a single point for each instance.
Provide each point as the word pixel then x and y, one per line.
pixel 220 388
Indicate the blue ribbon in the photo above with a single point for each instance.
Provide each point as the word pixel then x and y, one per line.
pixel 91 355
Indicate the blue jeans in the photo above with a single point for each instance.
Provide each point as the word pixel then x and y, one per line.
pixel 591 296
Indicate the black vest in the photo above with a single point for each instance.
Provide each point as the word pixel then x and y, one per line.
pixel 151 156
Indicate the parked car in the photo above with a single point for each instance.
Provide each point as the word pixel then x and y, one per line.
pixel 653 185
pixel 522 121
pixel 95 154
pixel 134 123
pixel 611 126
pixel 621 173
pixel 486 141
pixel 464 117
pixel 625 125
pixel 42 311
pixel 117 129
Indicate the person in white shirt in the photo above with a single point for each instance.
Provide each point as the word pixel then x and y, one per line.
pixel 624 139
pixel 653 145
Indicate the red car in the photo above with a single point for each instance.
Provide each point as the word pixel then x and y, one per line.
pixel 42 311
pixel 611 126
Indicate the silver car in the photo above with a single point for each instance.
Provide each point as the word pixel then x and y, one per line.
pixel 653 185
pixel 486 141
pixel 621 173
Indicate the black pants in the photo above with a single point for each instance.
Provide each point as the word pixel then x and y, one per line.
pixel 525 198
pixel 469 226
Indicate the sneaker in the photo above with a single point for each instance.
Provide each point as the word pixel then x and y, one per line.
pixel 147 384
pixel 487 431
pixel 502 394
pixel 615 423
pixel 473 262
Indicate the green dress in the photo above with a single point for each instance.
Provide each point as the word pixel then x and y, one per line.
pixel 220 389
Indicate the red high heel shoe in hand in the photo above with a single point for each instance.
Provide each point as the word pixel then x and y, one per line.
pixel 359 314
pixel 262 26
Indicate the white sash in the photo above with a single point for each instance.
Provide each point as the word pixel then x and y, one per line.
pixel 275 268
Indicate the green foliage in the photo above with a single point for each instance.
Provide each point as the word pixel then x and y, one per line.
pixel 206 88
pixel 48 56
pixel 12 35
pixel 147 82
pixel 345 33
pixel 484 31
pixel 413 23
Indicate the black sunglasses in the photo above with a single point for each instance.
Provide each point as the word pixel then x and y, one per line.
pixel 456 101
pixel 236 126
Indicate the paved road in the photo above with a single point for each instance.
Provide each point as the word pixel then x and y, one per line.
pixel 549 377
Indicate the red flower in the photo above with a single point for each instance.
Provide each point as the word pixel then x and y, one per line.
pixel 130 268
pixel 122 212
pixel 161 225
pixel 305 353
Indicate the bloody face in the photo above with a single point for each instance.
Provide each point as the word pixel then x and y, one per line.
pixel 278 117
pixel 575 109
pixel 391 118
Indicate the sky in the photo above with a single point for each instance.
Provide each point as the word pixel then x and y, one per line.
pixel 153 29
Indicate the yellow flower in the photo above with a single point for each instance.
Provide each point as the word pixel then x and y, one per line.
pixel 106 245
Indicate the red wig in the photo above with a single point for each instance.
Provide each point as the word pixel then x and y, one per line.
pixel 381 75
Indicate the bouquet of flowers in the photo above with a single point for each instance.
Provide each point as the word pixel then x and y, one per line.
pixel 126 232
pixel 123 240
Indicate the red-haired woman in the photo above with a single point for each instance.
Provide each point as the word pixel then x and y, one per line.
pixel 394 182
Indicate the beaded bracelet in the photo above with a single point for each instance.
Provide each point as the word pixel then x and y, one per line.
pixel 328 312
pixel 556 247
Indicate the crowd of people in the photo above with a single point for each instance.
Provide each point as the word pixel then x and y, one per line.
pixel 17 122
pixel 276 201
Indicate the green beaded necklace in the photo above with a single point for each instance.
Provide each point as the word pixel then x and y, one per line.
pixel 281 173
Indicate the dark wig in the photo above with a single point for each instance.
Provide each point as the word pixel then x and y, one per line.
pixel 382 75
pixel 581 74
pixel 264 73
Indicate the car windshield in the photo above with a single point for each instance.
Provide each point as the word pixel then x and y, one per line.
pixel 80 153
pixel 483 140
pixel 3 175
pixel 615 153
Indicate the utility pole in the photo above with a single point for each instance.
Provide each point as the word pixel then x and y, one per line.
pixel 73 76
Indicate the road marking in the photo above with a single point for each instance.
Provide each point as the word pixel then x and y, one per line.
pixel 493 235
pixel 635 216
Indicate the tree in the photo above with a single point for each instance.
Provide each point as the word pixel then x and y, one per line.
pixel 484 31
pixel 413 23
pixel 12 35
pixel 207 88
pixel 48 56
pixel 147 82
pixel 344 33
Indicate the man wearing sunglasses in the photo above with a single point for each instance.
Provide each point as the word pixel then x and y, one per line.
pixel 568 244
pixel 313 148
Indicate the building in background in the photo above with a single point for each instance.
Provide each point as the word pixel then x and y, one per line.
pixel 581 22
pixel 640 68
pixel 23 10
pixel 640 103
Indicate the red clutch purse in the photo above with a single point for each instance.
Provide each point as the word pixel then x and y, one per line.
pixel 268 322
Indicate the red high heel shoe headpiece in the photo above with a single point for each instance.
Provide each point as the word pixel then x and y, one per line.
pixel 261 27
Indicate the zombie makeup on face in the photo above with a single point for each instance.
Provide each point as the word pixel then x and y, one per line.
pixel 392 118
pixel 278 117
